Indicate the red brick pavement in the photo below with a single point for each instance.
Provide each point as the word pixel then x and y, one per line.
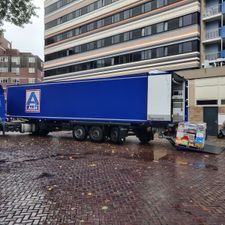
pixel 58 181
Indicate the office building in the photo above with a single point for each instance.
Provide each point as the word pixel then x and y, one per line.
pixel 104 38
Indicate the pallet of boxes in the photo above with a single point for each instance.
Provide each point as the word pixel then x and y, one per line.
pixel 191 136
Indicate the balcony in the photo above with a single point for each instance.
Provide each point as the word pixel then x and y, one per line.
pixel 212 36
pixel 212 12
pixel 213 56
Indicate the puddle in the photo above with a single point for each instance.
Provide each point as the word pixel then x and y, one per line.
pixel 45 175
pixel 200 164
pixel 3 161
pixel 151 155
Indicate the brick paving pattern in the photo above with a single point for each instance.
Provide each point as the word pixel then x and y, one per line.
pixel 55 180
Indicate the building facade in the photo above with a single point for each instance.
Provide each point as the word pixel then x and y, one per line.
pixel 206 98
pixel 17 67
pixel 102 38
pixel 213 33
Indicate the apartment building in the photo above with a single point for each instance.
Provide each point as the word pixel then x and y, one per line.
pixel 18 67
pixel 207 84
pixel 102 38
pixel 213 33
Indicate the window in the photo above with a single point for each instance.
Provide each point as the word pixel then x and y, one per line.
pixel 207 102
pixel 108 20
pixel 100 43
pixel 173 24
pixel 108 41
pixel 100 23
pixel 4 70
pixel 90 46
pixel 31 70
pixel 91 7
pixel 90 26
pixel 159 52
pixel 77 49
pixel 223 102
pixel 172 50
pixel 137 10
pixel 83 29
pixel 160 27
pixel 126 14
pixel 187 47
pixel 147 31
pixel 116 18
pixel 31 80
pixel 136 34
pixel 15 60
pixel 100 63
pixel 84 10
pixel 15 70
pixel 195 18
pixel 147 54
pixel 3 59
pixel 160 3
pixel 187 20
pixel 116 39
pixel 148 7
pixel 31 60
pixel 108 62
pixel 136 57
pixel 126 36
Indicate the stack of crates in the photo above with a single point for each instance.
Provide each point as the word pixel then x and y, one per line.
pixel 190 135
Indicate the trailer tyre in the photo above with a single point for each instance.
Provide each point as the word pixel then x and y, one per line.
pixel 79 133
pixel 116 137
pixel 96 134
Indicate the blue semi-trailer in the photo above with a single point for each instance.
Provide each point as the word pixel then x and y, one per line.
pixel 98 109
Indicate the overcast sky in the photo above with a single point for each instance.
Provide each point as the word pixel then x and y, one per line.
pixel 31 37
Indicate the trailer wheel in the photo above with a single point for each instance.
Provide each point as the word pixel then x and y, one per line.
pixel 145 136
pixel 79 133
pixel 96 134
pixel 116 137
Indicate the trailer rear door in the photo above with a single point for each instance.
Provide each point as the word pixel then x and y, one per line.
pixel 159 97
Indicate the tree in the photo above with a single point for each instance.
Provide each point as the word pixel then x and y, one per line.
pixel 17 12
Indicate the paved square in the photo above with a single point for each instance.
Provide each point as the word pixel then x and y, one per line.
pixel 55 180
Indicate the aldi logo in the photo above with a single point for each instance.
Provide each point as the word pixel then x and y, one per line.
pixel 33 98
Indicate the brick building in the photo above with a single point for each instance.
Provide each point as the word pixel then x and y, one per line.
pixel 18 67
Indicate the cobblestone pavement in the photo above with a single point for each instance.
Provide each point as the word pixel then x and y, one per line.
pixel 55 180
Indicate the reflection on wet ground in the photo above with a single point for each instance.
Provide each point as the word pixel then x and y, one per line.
pixel 55 180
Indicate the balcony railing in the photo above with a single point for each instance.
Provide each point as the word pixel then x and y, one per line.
pixel 213 10
pixel 213 56
pixel 212 34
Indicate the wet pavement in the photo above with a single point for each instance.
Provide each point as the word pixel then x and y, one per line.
pixel 55 180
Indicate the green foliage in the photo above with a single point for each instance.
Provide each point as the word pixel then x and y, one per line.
pixel 18 12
